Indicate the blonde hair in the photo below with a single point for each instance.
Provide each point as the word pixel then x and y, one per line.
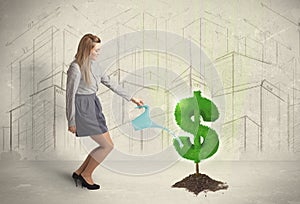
pixel 86 44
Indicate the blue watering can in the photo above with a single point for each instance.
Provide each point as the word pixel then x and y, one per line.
pixel 144 121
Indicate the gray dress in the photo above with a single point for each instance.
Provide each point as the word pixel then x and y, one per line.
pixel 83 108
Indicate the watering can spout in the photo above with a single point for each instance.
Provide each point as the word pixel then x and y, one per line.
pixel 144 121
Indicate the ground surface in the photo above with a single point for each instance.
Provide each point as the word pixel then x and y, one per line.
pixel 249 182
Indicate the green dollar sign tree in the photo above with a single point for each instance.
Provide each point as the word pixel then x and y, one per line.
pixel 187 116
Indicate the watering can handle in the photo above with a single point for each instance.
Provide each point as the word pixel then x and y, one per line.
pixel 144 106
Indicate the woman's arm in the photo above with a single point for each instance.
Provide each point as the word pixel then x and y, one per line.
pixel 105 79
pixel 137 101
pixel 73 80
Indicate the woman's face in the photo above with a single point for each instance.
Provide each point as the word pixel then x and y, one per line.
pixel 95 51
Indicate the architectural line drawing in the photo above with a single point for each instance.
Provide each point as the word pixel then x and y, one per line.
pixel 33 24
pixel 261 106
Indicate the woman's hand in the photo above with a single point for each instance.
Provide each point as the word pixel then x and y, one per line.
pixel 72 129
pixel 137 101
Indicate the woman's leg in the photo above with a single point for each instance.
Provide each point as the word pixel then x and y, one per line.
pixel 83 165
pixel 97 155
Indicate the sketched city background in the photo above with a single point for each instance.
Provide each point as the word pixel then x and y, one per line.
pixel 255 50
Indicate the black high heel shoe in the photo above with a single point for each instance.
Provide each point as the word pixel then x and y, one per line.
pixel 75 177
pixel 87 185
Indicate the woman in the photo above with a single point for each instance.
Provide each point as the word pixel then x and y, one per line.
pixel 83 108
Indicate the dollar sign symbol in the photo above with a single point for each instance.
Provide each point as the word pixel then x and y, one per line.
pixel 196 106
